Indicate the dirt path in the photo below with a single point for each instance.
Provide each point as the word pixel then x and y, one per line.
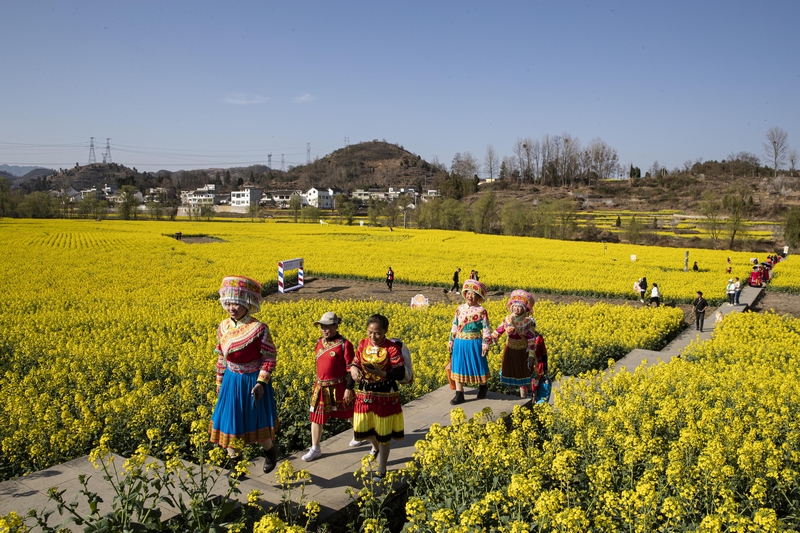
pixel 348 289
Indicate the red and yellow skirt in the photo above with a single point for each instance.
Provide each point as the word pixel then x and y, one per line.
pixel 378 414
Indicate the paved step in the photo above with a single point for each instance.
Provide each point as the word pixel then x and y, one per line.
pixel 331 474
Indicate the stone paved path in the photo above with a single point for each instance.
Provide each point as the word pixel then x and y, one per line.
pixel 331 474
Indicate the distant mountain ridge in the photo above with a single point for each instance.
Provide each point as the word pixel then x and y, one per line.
pixel 18 171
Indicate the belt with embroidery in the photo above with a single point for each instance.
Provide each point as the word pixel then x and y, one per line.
pixel 328 382
pixel 244 368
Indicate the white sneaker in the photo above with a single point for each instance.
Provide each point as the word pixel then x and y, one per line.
pixel 355 443
pixel 311 455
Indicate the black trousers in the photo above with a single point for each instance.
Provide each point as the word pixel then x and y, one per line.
pixel 699 317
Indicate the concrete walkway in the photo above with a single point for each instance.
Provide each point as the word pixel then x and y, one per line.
pixel 690 334
pixel 331 474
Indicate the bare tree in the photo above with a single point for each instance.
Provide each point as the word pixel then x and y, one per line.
pixel 491 162
pixel 656 169
pixel 519 151
pixel 776 147
pixel 711 208
pixel 568 162
pixel 465 165
pixel 535 151
pixel 792 160
pixel 737 203
pixel 603 159
pixel 509 164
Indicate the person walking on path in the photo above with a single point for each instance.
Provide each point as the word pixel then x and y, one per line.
pixel 378 415
pixel 332 395
pixel 246 411
pixel 456 284
pixel 655 296
pixel 699 306
pixel 389 278
pixel 642 289
pixel 469 341
pixel 737 291
pixel 517 368
pixel 730 290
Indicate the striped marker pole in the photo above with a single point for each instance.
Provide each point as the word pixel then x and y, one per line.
pixel 290 264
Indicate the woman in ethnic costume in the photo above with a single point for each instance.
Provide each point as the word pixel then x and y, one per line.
pixel 518 357
pixel 332 396
pixel 377 367
pixel 469 341
pixel 246 408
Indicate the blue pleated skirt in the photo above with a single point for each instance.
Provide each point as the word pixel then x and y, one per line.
pixel 466 364
pixel 238 416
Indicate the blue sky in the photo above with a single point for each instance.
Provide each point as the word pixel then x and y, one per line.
pixel 181 85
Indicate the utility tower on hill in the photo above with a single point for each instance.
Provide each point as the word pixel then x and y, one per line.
pixel 269 161
pixel 107 151
pixel 92 158
pixel 308 153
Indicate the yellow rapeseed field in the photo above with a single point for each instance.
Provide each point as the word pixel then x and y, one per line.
pixel 709 442
pixel 108 327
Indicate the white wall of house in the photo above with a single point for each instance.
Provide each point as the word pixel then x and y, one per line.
pixel 245 198
pixel 319 198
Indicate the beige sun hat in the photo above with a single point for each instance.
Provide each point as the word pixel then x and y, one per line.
pixel 328 319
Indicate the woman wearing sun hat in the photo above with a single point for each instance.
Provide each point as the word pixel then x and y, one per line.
pixel 470 337
pixel 332 396
pixel 516 369
pixel 246 408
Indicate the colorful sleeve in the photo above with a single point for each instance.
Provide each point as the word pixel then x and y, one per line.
pixel 349 353
pixel 268 354
pixel 453 332
pixel 395 356
pixel 498 332
pixel 220 365
pixel 349 356
pixel 487 331
pixel 356 362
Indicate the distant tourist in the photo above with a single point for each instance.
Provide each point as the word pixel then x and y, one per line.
pixel 642 289
pixel 730 291
pixel 699 306
pixel 695 268
pixel 655 296
pixel 737 291
pixel 755 277
pixel 389 278
pixel 456 284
